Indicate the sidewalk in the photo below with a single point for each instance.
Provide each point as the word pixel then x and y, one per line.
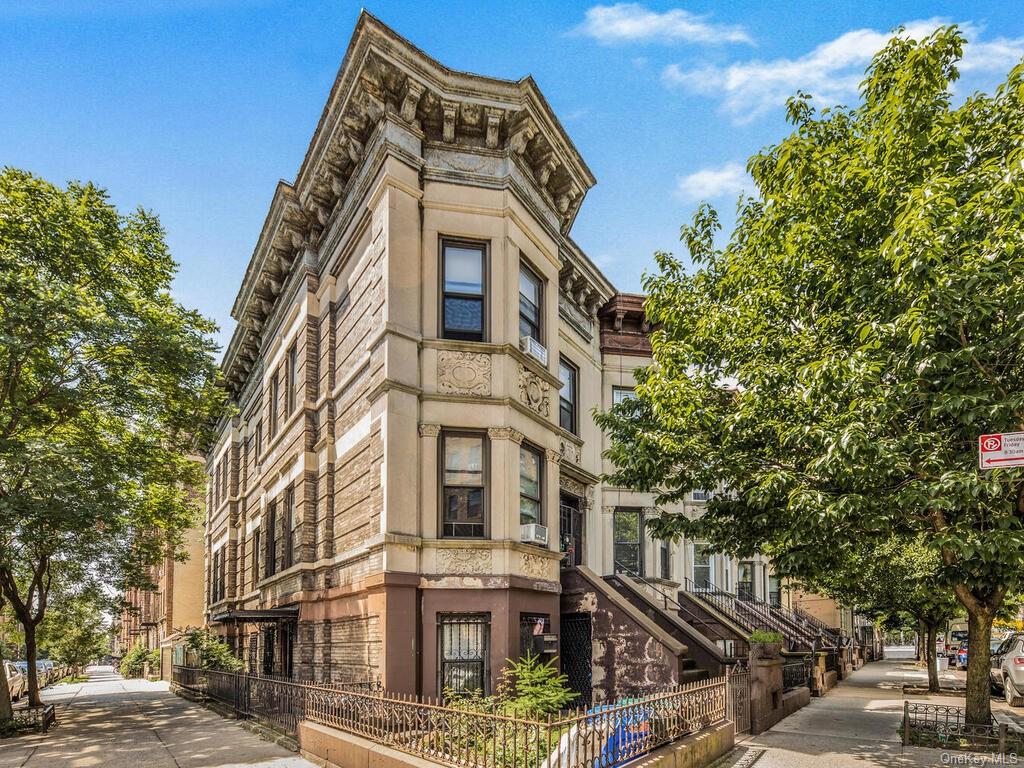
pixel 110 722
pixel 857 724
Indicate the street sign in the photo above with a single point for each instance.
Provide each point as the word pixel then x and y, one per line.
pixel 1005 450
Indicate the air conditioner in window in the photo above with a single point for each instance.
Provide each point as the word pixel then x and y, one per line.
pixel 532 533
pixel 534 349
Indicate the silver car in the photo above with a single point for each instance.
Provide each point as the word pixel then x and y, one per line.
pixel 15 681
pixel 1007 669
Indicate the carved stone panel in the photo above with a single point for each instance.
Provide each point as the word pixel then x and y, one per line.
pixel 463 373
pixel 535 566
pixel 571 452
pixel 533 391
pixel 464 561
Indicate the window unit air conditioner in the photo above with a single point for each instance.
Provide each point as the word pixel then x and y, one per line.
pixel 534 349
pixel 532 533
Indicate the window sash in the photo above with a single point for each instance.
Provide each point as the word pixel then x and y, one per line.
pixel 463 501
pixel 567 395
pixel 463 293
pixel 275 391
pixel 529 306
pixel 531 505
pixel 293 378
pixel 621 394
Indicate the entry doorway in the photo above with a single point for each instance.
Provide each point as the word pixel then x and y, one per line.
pixel 570 530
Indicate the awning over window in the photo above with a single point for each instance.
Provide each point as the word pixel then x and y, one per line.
pixel 256 616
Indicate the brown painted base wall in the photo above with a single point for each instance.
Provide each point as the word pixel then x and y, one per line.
pixel 332 748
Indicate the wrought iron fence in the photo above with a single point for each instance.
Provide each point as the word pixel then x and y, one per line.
pixel 469 733
pixel 797 672
pixel 276 702
pixel 945 727
pixel 738 705
pixel 832 660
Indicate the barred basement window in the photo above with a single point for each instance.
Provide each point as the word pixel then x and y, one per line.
pixel 463 643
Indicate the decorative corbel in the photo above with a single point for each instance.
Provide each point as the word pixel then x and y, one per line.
pixel 522 135
pixel 449 109
pixel 411 100
pixel 546 168
pixel 493 118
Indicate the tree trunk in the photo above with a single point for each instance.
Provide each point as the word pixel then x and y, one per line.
pixel 34 699
pixel 932 659
pixel 979 637
pixel 920 654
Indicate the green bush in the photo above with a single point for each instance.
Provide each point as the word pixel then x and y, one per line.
pixel 760 636
pixel 213 652
pixel 133 663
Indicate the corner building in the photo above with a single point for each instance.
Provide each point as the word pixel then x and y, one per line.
pixel 413 469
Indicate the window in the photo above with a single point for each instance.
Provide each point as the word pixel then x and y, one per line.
pixel 259 438
pixel 270 559
pixel 568 395
pixel 570 530
pixel 255 558
pixel 531 468
pixel 291 385
pixel 289 522
pixel 628 524
pixel 665 559
pixel 622 394
pixel 462 299
pixel 529 303
pixel 274 394
pixel 462 495
pixel 700 495
pixel 702 566
pixel 462 648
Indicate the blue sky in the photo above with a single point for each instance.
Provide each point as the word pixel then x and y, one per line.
pixel 194 108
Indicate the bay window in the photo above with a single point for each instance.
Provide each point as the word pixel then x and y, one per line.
pixel 463 486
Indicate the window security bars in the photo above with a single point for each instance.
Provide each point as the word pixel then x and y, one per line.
pixel 463 647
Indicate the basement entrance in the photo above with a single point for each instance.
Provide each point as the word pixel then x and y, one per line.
pixel 576 656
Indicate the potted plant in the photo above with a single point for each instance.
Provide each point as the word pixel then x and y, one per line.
pixel 765 645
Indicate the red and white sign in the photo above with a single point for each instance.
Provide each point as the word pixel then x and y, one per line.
pixel 1005 450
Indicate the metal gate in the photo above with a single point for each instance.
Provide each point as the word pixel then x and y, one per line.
pixel 576 656
pixel 738 696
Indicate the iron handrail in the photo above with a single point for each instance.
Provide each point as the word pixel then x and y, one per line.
pixel 725 603
pixel 691 617
pixel 787 626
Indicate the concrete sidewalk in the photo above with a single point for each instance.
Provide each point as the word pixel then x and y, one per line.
pixel 117 723
pixel 855 724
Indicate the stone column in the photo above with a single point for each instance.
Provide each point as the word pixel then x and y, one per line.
pixel 429 434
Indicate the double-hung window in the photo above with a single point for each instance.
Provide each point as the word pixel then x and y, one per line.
pixel 463 486
pixel 289 523
pixel 529 303
pixel 622 394
pixel 628 540
pixel 531 468
pixel 270 560
pixel 568 395
pixel 463 305
pixel 275 393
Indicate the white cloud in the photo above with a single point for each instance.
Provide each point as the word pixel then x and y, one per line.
pixel 632 22
pixel 728 180
pixel 832 71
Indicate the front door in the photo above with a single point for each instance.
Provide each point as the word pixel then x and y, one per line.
pixel 570 530
pixel 745 580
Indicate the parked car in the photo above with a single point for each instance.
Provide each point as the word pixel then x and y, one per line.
pixel 16 681
pixel 1007 669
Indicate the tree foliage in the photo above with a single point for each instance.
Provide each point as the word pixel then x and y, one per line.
pixel 212 652
pixel 835 363
pixel 108 386
pixel 133 663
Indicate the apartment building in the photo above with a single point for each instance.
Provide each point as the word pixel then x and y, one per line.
pixel 410 489
pixel 155 617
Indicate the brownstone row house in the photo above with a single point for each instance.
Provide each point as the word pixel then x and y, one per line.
pixel 410 489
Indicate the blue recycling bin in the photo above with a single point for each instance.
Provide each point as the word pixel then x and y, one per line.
pixel 624 741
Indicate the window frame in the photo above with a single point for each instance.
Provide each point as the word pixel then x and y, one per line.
pixel 291 384
pixel 481 619
pixel 574 408
pixel 640 542
pixel 275 394
pixel 524 266
pixel 256 560
pixel 665 560
pixel 484 485
pixel 483 246
pixel 270 559
pixel 538 454
pixel 627 393
pixel 288 525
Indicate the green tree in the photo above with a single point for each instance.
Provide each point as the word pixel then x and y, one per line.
pixel 134 662
pixel 108 386
pixel 889 579
pixel 835 363
pixel 74 632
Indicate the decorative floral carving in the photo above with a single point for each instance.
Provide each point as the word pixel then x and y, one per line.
pixel 464 561
pixel 569 485
pixel 571 452
pixel 535 566
pixel 463 373
pixel 533 391
pixel 430 430
pixel 505 433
